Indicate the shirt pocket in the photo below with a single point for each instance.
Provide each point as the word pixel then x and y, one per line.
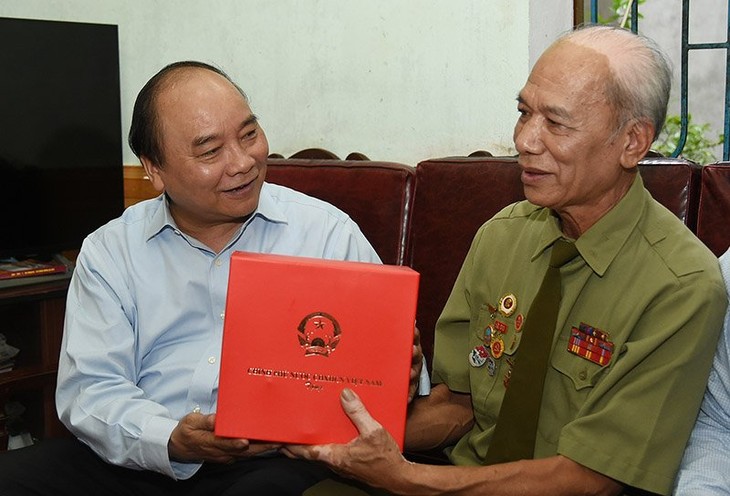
pixel 582 372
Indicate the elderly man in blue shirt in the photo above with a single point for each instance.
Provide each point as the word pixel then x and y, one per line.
pixel 705 469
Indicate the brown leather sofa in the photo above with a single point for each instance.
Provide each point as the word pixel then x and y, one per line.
pixel 425 216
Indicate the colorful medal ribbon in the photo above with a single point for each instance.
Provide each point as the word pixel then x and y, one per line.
pixel 590 343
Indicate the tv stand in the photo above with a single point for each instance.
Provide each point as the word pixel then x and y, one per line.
pixel 31 318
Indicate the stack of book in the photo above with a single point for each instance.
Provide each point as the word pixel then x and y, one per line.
pixel 30 270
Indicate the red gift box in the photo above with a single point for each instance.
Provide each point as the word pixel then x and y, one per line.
pixel 299 330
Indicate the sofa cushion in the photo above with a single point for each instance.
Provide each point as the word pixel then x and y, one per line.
pixel 713 227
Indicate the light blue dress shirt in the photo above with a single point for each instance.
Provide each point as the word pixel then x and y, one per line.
pixel 144 319
pixel 705 469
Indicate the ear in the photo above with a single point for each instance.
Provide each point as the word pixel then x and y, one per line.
pixel 638 137
pixel 153 172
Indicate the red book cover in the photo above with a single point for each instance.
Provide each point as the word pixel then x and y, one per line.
pixel 13 269
pixel 299 330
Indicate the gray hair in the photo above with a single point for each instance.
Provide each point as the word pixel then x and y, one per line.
pixel 641 75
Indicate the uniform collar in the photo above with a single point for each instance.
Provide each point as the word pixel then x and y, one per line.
pixel 600 244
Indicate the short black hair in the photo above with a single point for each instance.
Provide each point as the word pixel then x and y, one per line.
pixel 144 135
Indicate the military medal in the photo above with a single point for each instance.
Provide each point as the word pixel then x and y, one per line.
pixel 497 347
pixel 491 366
pixel 500 326
pixel 507 304
pixel 478 356
pixel 488 333
pixel 493 347
pixel 519 322
pixel 492 311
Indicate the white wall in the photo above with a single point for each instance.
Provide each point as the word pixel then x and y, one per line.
pixel 547 21
pixel 398 80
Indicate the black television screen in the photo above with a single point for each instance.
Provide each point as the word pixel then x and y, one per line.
pixel 60 134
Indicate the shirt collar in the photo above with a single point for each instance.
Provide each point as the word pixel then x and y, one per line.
pixel 268 209
pixel 550 231
pixel 600 244
pixel 160 219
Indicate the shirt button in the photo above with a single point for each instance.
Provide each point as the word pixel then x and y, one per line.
pixel 582 375
pixel 211 360
pixel 218 262
pixel 222 315
pixel 196 409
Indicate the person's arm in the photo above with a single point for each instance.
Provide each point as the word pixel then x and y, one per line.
pixel 374 458
pixel 97 395
pixel 705 468
pixel 438 420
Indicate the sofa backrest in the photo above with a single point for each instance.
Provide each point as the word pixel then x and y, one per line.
pixel 377 195
pixel 454 196
pixel 426 216
pixel 675 183
pixel 713 223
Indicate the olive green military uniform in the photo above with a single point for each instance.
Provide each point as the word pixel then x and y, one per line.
pixel 638 324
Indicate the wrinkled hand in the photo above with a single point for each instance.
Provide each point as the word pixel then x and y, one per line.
pixel 416 365
pixel 373 457
pixel 193 439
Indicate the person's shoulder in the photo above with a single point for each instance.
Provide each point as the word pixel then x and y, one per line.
pixel 291 200
pixel 677 246
pixel 142 210
pixel 518 210
pixel 133 220
pixel 518 215
pixel 513 219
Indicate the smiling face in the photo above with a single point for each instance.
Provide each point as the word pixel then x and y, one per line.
pixel 213 153
pixel 571 149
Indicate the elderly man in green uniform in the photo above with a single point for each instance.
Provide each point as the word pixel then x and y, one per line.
pixel 627 350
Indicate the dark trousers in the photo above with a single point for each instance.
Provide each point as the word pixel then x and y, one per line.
pixel 67 467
